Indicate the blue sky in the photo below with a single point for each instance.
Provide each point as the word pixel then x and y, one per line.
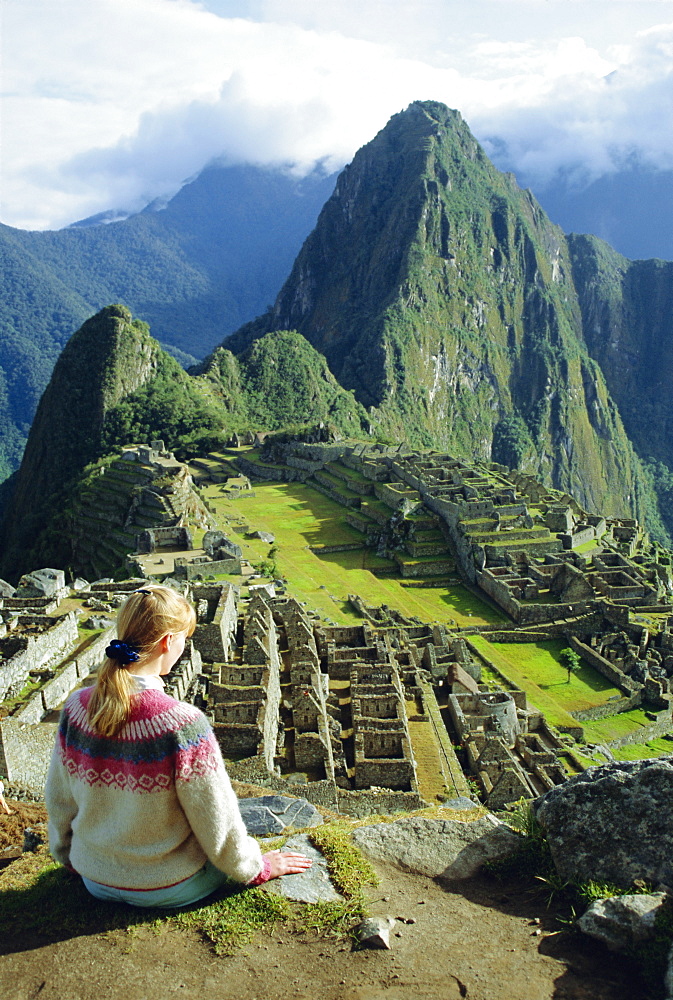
pixel 111 103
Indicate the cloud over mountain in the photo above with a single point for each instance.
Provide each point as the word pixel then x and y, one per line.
pixel 121 101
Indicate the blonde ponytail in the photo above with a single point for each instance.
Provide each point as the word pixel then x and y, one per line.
pixel 144 618
pixel 110 703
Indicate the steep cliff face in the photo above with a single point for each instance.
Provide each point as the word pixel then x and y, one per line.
pixel 108 359
pixel 627 311
pixel 443 296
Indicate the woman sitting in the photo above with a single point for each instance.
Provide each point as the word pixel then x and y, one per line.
pixel 139 801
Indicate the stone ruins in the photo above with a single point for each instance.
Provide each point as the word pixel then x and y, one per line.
pixel 390 712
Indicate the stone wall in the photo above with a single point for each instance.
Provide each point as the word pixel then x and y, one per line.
pixel 54 692
pixel 257 470
pixel 43 605
pixel 609 708
pixel 24 653
pixel 603 666
pixel 662 727
pixel 434 567
pixel 27 750
pixel 216 623
pixel 187 570
pixel 184 672
pixel 369 802
pixel 238 740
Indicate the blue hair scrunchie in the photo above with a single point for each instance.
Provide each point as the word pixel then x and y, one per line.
pixel 124 652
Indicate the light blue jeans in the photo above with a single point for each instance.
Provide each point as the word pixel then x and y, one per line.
pixel 190 890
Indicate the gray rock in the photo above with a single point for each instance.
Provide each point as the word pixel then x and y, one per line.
pixel 41 583
pixel 268 814
pixel 97 622
pixel 259 821
pixel 622 921
pixel 311 886
pixel 613 823
pixel 460 802
pixel 79 584
pixel 33 837
pixel 6 589
pixel 264 536
pixel 438 847
pixel 374 932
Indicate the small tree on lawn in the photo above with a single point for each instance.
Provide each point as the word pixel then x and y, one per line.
pixel 570 660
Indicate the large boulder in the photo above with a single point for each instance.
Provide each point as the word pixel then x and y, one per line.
pixel 41 583
pixel 449 848
pixel 612 823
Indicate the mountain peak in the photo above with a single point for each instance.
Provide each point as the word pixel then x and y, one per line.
pixel 442 295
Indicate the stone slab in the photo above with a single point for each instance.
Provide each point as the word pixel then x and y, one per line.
pixel 269 814
pixel 312 886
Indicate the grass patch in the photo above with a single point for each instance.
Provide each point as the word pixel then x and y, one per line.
pixel 616 726
pixel 232 922
pixel 348 868
pixel 300 517
pixel 535 668
pixel 639 751
pixel 41 898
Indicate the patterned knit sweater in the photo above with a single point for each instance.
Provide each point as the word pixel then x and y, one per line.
pixel 145 808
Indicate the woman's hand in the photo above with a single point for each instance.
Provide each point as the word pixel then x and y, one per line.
pixel 286 863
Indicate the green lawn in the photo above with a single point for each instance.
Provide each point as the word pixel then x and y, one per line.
pixel 535 668
pixel 604 730
pixel 300 517
pixel 637 751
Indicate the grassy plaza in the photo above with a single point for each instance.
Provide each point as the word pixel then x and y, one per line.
pixel 299 517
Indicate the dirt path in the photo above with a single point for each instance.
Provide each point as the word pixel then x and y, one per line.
pixel 487 941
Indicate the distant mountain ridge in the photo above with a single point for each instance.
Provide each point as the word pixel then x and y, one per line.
pixel 211 259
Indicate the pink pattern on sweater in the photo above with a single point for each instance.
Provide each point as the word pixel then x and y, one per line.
pixel 189 750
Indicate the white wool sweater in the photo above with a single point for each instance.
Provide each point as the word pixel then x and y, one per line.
pixel 144 809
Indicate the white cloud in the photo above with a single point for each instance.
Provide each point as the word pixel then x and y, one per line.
pixel 591 126
pixel 121 100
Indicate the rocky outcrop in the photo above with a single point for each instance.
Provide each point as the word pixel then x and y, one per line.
pixel 612 823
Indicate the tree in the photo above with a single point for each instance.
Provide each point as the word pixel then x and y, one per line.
pixel 570 660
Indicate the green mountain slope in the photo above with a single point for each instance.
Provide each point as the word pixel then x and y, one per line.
pixel 443 296
pixel 627 314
